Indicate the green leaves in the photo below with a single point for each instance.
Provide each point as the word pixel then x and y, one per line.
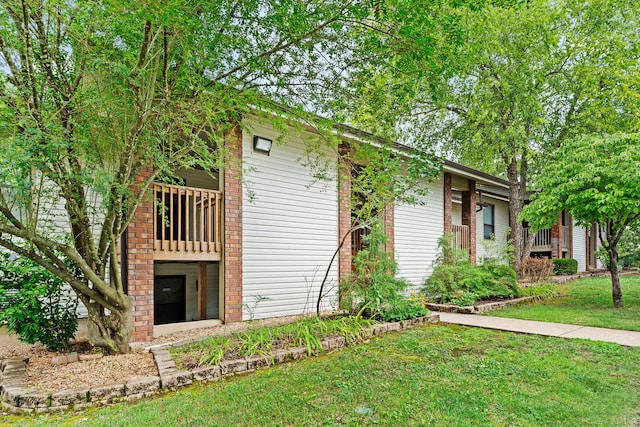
pixel 594 178
pixel 97 100
pixel 35 305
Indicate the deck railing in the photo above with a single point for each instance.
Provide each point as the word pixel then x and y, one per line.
pixel 187 223
pixel 460 237
pixel 542 241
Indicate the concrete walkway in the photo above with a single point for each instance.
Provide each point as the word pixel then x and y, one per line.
pixel 628 338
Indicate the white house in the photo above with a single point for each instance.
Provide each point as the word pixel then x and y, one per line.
pixel 255 240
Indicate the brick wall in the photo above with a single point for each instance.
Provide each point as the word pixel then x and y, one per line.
pixel 448 222
pixel 140 263
pixel 388 218
pixel 556 238
pixel 233 229
pixel 344 218
pixel 469 218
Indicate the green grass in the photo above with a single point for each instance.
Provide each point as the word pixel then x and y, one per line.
pixel 585 302
pixel 435 375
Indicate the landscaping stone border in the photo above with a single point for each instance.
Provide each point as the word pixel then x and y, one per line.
pixel 17 397
pixel 478 308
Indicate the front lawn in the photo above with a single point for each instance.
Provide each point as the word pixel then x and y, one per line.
pixel 585 302
pixel 433 375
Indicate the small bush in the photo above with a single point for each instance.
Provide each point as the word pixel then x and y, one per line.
pixel 373 290
pixel 462 283
pixel 564 266
pixel 536 269
pixel 35 305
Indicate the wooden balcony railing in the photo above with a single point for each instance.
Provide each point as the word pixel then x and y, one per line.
pixel 460 237
pixel 542 241
pixel 187 223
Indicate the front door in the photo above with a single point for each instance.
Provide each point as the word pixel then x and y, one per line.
pixel 169 299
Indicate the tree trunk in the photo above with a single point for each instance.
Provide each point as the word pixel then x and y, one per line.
pixel 517 232
pixel 110 328
pixel 616 292
pixel 516 202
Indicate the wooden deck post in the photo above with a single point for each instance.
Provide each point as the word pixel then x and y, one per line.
pixel 202 290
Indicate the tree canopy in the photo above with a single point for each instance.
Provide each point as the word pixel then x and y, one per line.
pixel 511 80
pixel 93 93
pixel 596 180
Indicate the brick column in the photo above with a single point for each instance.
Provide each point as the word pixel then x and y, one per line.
pixel 448 222
pixel 344 216
pixel 556 238
pixel 233 228
pixel 570 225
pixel 469 218
pixel 140 263
pixel 388 219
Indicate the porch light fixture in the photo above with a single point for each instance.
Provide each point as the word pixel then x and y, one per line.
pixel 262 145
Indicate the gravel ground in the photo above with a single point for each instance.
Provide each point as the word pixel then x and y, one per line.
pixel 44 376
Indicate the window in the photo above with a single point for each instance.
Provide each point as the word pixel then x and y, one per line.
pixel 489 221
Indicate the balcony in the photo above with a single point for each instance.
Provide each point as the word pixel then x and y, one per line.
pixel 460 237
pixel 542 241
pixel 187 223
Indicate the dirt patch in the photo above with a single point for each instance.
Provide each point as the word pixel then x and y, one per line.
pixel 43 375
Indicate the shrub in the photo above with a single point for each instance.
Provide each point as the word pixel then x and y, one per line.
pixel 502 280
pixel 536 269
pixel 35 305
pixel 447 254
pixel 498 252
pixel 564 266
pixel 373 290
pixel 461 283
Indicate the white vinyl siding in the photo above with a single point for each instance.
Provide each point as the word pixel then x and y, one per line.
pixel 579 249
pixel 417 229
pixel 290 229
pixel 486 248
pixel 53 217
